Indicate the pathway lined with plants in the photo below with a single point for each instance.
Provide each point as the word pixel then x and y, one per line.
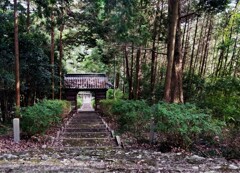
pixel 88 147
pixel 87 129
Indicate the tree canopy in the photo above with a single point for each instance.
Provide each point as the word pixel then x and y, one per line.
pixel 134 42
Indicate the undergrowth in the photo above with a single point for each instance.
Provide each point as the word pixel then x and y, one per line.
pixel 182 126
pixel 38 118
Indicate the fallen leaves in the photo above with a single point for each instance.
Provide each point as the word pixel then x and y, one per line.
pixel 8 145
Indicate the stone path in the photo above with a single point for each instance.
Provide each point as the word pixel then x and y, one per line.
pixel 112 160
pixel 86 105
pixel 86 129
pixel 89 148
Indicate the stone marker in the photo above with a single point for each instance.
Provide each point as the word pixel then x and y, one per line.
pixel 16 130
pixel 118 140
pixel 112 133
pixel 152 134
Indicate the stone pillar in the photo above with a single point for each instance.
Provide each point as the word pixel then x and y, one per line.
pixel 16 129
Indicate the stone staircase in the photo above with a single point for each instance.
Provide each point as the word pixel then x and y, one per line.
pixel 86 129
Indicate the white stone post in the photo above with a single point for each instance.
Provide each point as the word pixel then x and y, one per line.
pixel 16 129
pixel 152 134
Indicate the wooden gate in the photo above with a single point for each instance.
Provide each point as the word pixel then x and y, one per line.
pixel 96 83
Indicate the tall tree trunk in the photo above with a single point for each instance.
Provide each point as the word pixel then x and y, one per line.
pixel 153 64
pixel 154 49
pixel 222 53
pixel 60 60
pixel 204 43
pixel 198 47
pixel 177 90
pixel 52 55
pixel 227 52
pixel 131 73
pixel 186 45
pixel 17 71
pixel 233 55
pixel 237 66
pixel 124 69
pixel 173 22
pixel 117 79
pixel 3 105
pixel 137 73
pixel 28 15
pixel 185 26
pixel 193 47
pixel 213 56
pixel 27 94
pixel 128 73
pixel 220 62
pixel 205 55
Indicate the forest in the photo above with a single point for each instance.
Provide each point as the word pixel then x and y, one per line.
pixel 177 62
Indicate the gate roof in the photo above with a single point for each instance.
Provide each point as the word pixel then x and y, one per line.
pixel 86 81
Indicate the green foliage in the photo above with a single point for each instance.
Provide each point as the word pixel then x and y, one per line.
pixel 114 94
pixel 79 102
pixel 213 6
pixel 38 118
pixel 6 51
pixel 222 96
pixel 34 51
pixel 132 116
pixel 106 107
pixel 183 123
pixel 193 86
pixel 180 124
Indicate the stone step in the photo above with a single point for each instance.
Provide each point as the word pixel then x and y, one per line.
pixel 89 142
pixel 86 115
pixel 82 123
pixel 85 130
pixel 85 134
pixel 86 126
pixel 86 112
pixel 86 118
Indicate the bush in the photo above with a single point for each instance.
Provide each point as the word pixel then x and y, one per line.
pixel 193 86
pixel 177 124
pixel 117 95
pixel 79 102
pixel 222 96
pixel 182 124
pixel 38 118
pixel 133 116
pixel 106 107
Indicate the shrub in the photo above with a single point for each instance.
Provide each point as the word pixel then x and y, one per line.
pixel 133 116
pixel 79 102
pixel 106 107
pixel 178 124
pixel 117 95
pixel 183 123
pixel 38 118
pixel 222 96
pixel 193 86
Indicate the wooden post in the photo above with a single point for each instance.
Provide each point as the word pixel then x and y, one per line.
pixel 76 105
pixel 95 106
